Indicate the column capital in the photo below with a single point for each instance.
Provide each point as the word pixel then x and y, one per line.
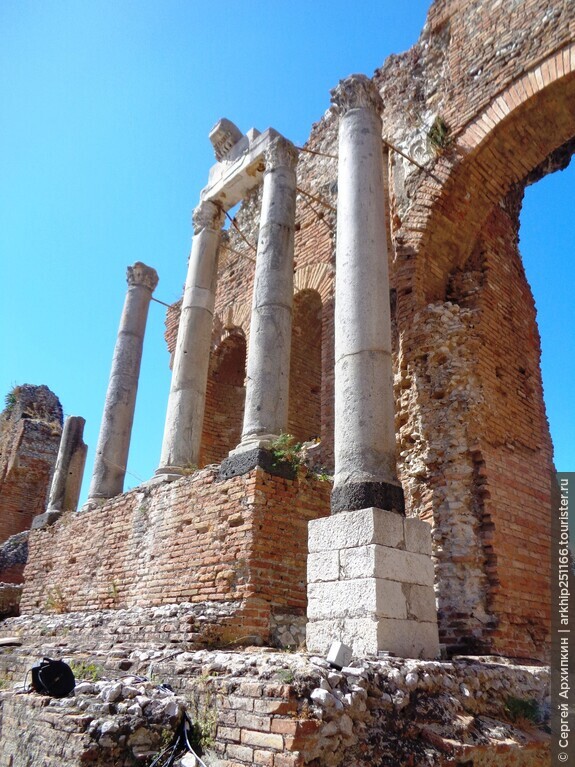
pixel 356 92
pixel 140 274
pixel 281 153
pixel 207 215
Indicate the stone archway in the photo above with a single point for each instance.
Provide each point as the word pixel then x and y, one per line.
pixel 476 454
pixel 225 397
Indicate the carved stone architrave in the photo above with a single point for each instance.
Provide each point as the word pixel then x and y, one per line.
pixel 356 92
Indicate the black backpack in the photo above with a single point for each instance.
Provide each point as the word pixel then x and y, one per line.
pixel 53 677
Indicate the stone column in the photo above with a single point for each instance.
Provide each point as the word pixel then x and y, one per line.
pixel 370 574
pixel 267 389
pixel 116 429
pixel 69 471
pixel 365 473
pixel 186 403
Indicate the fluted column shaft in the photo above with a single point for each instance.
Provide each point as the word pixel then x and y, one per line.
pixel 186 402
pixel 116 428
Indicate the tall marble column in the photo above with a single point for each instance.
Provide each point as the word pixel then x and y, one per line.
pixel 365 472
pixel 186 402
pixel 370 574
pixel 268 363
pixel 116 428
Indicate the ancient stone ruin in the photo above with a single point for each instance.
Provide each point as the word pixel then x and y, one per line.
pixel 370 301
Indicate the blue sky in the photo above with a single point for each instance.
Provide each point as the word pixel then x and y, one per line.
pixel 105 112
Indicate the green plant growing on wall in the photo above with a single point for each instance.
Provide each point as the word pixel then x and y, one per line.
pixel 438 135
pixel 11 398
pixel 205 715
pixel 285 675
pixel 285 449
pixel 56 601
pixel 113 592
pixel 519 710
pixel 88 672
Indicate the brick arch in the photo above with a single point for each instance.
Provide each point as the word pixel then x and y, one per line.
pixel 515 133
pixel 476 453
pixel 225 397
pixel 304 418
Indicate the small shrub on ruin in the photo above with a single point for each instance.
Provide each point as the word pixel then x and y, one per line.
pixel 522 711
pixel 438 135
pixel 285 449
pixel 87 672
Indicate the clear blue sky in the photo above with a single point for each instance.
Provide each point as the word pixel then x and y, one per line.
pixel 105 111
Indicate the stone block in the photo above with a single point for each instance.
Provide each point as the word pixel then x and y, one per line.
pixel 417 535
pixel 321 634
pixel 387 563
pixel 362 596
pixel 46 519
pixel 368 635
pixel 409 639
pixel 421 603
pixel 350 529
pixel 323 566
pixel 358 633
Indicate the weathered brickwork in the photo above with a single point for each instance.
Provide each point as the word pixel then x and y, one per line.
pixel 30 431
pixel 482 100
pixel 195 540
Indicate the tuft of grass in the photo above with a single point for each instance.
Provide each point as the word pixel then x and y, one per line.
pixel 520 710
pixel 87 672
pixel 11 398
pixel 285 675
pixel 56 602
pixel 438 135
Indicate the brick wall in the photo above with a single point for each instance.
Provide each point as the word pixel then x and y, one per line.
pixel 30 431
pixel 194 540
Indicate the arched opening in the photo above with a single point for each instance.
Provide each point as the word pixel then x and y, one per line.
pixel 475 449
pixel 225 397
pixel 547 244
pixel 304 419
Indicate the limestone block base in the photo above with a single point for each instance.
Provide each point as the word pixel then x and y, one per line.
pixel 370 584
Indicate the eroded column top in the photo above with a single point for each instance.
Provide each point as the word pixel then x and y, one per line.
pixel 281 153
pixel 207 215
pixel 356 92
pixel 142 275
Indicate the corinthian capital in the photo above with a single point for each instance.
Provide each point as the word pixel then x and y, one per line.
pixel 140 274
pixel 356 92
pixel 281 153
pixel 207 215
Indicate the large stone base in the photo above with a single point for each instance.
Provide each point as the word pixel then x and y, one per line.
pixel 370 584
